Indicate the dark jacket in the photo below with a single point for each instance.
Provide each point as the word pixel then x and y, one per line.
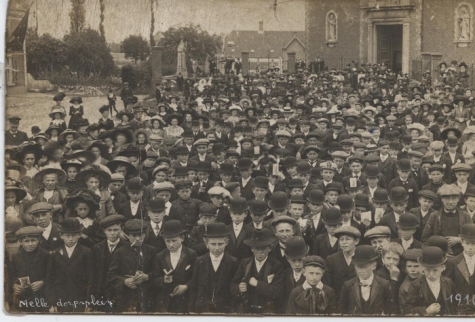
pixel 54 240
pixel 294 304
pixel 142 212
pixel 422 220
pixel 102 261
pixel 323 248
pixel 236 246
pixel 338 272
pixel 457 271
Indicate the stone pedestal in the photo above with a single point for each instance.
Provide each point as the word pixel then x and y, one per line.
pixel 291 63
pixel 156 59
pixel 245 63
pixel 181 60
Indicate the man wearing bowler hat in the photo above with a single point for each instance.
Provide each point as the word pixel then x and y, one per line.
pixel 156 213
pixel 103 252
pixel 13 136
pixel 238 230
pixel 295 252
pixel 367 293
pixel 244 166
pixel 312 297
pixel 431 294
pixel 258 283
pixel 403 180
pixel 315 225
pixel 135 207
pixel 70 272
pixel 173 270
pixel 398 200
pixel 212 275
pixel 208 215
pixel 339 266
pixel 461 269
pixel 258 211
pixel 449 220
pixel 131 271
pixel 326 243
pixel 407 226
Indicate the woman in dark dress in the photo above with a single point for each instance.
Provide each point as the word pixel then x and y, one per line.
pixel 76 111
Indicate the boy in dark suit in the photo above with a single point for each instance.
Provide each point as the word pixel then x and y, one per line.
pixel 462 172
pixel 173 270
pixel 156 213
pixel 184 208
pixel 326 244
pixel 200 190
pixel 436 173
pixel 131 271
pixel 403 180
pixel 103 252
pixel 135 208
pixel 70 273
pixel 422 213
pixel 431 293
pixel 407 226
pixel 283 227
pixel 453 157
pixel 27 270
pixel 312 297
pixel 340 266
pixel 212 275
pixel 295 252
pixel 366 294
pixel 207 216
pixel 316 226
pixel 116 183
pixel 245 169
pixel 398 199
pixel 258 283
pixel 413 271
pixel 461 268
pixel 42 214
pixel 238 231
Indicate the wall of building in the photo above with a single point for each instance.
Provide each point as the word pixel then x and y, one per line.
pixel 438 23
pixel 348 12
pixel 294 47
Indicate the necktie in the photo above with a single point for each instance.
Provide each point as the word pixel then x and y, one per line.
pixel 157 229
pixel 112 247
pixel 313 299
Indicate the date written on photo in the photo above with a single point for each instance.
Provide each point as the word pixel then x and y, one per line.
pixel 459 299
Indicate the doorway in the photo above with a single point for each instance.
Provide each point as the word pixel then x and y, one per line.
pixel 389 46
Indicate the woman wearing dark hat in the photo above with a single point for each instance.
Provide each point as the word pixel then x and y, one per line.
pixel 83 205
pixel 76 111
pixel 53 132
pixel 174 129
pixel 58 98
pixel 125 117
pixel 97 182
pixel 14 213
pixel 53 155
pixel 123 137
pixel 72 168
pixel 28 156
pixel 101 152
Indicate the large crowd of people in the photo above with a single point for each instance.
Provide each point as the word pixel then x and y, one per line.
pixel 345 192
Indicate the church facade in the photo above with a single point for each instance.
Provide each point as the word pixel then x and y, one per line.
pixel 411 36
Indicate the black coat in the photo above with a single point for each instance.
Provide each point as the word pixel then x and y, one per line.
pixel 323 248
pixel 102 261
pixel 289 285
pixel 54 240
pixel 15 139
pixel 338 272
pixel 294 308
pixel 70 279
pixel 236 246
pixel 457 271
pixel 142 212
pixel 202 299
pixel 153 240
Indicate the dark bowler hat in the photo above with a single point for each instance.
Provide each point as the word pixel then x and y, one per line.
pixel 316 196
pixel 314 260
pixel 437 241
pixel 261 182
pixel 412 254
pixel 303 167
pixel 204 166
pixel 333 186
pixel 406 139
pixel 135 226
pixel 432 256
pixel 157 204
pixel 380 195
pixel 468 232
pixel 70 225
pixel 30 231
pixel 408 221
pixel 332 216
pixel 244 163
pixel 258 207
pixel 372 171
pixel 218 147
pixel 345 202
pixel 182 184
pixel 216 229
pixel 295 247
pixel 181 171
pixel 172 228
pixel 260 238
pixel 135 184
pixel 404 165
pixel 290 162
pixel 298 199
pixel 347 230
pixel 278 201
pixel 111 220
pixel 362 200
pixel 470 192
pixel 428 194
pixel 208 209
pixel 226 167
pixel 296 183
pixel 365 254
pixel 182 150
pixel 238 205
pixel 398 194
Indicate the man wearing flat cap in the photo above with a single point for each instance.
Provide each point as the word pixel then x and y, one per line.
pixel 462 172
pixel 258 283
pixel 131 271
pixel 427 198
pixel 449 220
pixel 103 252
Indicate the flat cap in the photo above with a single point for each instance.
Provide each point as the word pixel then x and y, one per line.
pixel 378 231
pixel 111 220
pixel 314 260
pixel 347 230
pixel 340 154
pixel 461 167
pixel 415 154
pixel 412 254
pixel 283 133
pixel 436 167
pixel 29 231
pixel 218 191
pixel 40 207
pixel 135 226
pixel 201 142
pixel 208 209
pixel 117 177
pixel 429 194
pixel 449 190
pixel 437 145
pixel 183 184
pixel 163 186
pixel 284 219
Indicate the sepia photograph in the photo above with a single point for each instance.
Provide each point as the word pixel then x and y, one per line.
pixel 239 158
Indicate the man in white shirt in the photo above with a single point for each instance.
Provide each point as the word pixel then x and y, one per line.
pixel 42 216
pixel 258 210
pixel 462 172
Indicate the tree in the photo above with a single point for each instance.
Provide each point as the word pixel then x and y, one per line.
pixel 152 23
pixel 44 53
pixel 88 53
pixel 136 47
pixel 77 15
pixel 199 44
pixel 101 24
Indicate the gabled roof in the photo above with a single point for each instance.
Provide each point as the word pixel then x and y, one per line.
pixel 295 38
pixel 261 43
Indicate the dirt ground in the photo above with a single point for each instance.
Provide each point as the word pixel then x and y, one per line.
pixel 33 108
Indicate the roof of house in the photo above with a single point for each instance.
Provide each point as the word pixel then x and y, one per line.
pixel 261 43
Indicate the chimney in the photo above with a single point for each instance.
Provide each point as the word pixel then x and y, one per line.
pixel 261 27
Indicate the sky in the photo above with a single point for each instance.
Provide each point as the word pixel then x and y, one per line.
pixel 126 17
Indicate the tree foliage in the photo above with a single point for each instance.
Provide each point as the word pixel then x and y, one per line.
pixel 44 53
pixel 77 15
pixel 88 53
pixel 101 24
pixel 136 47
pixel 138 76
pixel 199 44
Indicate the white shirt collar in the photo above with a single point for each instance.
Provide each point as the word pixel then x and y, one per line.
pixel 368 281
pixel 47 230
pixel 407 243
pixel 113 244
pixel 70 250
pixel 259 264
pixel 216 259
pixel 306 286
